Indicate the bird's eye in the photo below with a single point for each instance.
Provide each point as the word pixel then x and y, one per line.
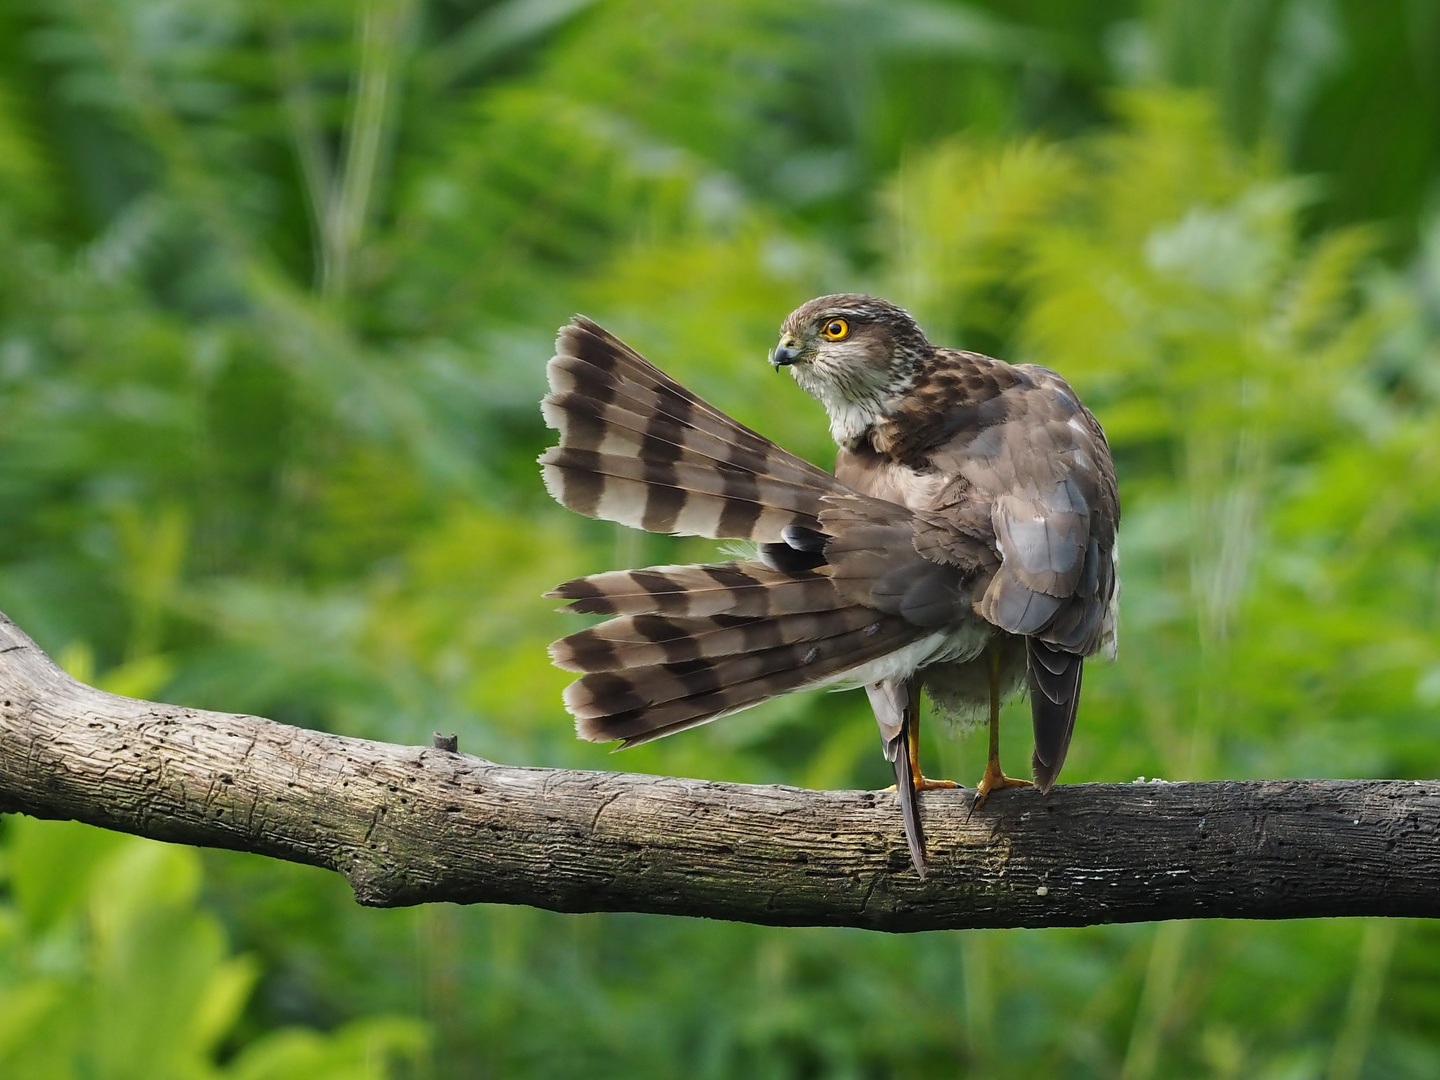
pixel 836 330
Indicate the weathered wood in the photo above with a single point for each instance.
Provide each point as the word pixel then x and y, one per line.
pixel 409 825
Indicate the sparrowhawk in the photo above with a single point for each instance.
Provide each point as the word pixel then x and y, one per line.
pixel 966 542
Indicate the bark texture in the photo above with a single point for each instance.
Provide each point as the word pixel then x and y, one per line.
pixel 410 825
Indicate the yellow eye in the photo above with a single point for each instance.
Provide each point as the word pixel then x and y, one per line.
pixel 835 330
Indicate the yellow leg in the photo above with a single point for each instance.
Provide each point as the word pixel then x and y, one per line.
pixel 921 783
pixel 913 747
pixel 994 777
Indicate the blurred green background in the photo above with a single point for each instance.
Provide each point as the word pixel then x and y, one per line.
pixel 278 281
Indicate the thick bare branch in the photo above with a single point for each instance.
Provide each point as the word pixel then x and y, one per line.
pixel 409 825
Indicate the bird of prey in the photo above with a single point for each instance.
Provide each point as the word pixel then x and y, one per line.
pixel 965 543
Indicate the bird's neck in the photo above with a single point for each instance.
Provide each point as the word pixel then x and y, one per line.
pixel 957 392
pixel 859 403
pixel 854 404
pixel 853 423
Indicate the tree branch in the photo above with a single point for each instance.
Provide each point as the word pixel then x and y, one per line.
pixel 409 825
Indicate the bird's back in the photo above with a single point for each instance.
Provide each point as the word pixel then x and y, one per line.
pixel 1008 458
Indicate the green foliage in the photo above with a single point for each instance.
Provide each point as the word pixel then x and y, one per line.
pixel 110 969
pixel 279 283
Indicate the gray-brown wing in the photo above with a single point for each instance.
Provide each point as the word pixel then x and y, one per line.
pixel 890 558
pixel 1042 474
pixel 1042 467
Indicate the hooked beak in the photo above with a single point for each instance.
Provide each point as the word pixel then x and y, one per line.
pixel 783 355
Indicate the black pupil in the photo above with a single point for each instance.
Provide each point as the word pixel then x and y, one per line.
pixel 835 328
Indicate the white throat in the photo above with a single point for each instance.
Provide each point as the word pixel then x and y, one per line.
pixel 850 419
pixel 852 404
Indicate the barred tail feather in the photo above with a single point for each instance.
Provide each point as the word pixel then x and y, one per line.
pixel 638 448
pixel 640 641
pixel 639 704
pixel 693 643
pixel 682 497
pixel 624 425
pixel 616 370
pixel 733 588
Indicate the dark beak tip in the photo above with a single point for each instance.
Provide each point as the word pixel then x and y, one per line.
pixel 782 356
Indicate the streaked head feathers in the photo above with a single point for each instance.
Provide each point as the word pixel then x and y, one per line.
pixel 854 354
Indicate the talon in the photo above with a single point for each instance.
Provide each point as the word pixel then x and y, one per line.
pixel 993 780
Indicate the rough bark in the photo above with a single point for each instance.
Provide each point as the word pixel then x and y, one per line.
pixel 409 825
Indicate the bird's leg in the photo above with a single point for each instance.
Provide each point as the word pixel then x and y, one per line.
pixel 921 783
pixel 994 777
pixel 912 740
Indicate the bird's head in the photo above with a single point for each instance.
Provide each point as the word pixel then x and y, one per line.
pixel 854 354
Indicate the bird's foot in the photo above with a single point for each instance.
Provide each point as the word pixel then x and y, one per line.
pixel 924 783
pixel 993 780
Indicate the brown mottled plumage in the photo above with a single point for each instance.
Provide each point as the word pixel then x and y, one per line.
pixel 966 542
